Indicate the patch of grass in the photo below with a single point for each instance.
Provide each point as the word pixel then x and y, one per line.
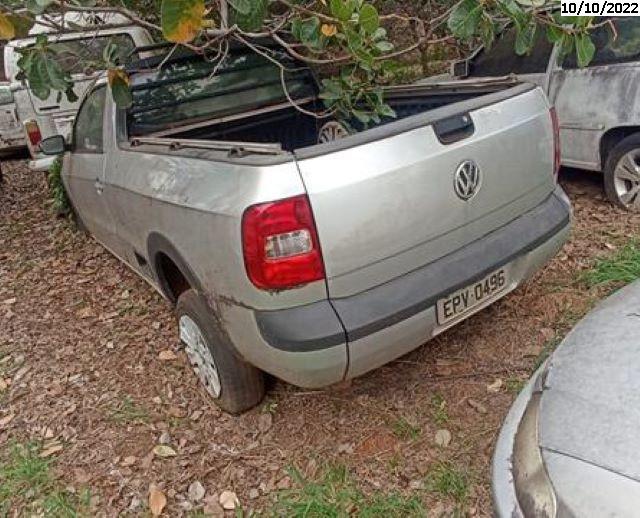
pixel 26 483
pixel 270 407
pixel 448 480
pixel 548 347
pixel 395 463
pixel 622 267
pixel 405 430
pixel 514 385
pixel 59 198
pixel 127 411
pixel 439 410
pixel 335 494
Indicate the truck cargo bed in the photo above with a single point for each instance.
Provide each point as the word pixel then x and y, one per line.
pixel 294 130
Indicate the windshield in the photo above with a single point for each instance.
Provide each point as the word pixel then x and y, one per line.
pixel 192 90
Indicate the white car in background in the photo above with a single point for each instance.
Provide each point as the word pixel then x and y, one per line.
pixel 12 138
pixel 44 118
pixel 598 106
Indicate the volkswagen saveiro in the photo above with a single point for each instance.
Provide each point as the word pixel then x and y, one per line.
pixel 303 247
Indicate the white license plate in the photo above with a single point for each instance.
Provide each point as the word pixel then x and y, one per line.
pixel 467 299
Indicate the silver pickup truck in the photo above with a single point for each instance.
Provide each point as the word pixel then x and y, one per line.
pixel 307 248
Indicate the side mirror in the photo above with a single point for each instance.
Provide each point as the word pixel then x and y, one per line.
pixel 460 68
pixel 53 145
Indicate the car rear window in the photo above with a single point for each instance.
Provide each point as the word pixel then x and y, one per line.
pixel 612 46
pixel 77 55
pixel 191 90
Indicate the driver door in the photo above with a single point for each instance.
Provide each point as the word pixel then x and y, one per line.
pixel 86 168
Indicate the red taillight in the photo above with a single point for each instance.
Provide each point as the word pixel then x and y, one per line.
pixel 33 132
pixel 556 141
pixel 280 244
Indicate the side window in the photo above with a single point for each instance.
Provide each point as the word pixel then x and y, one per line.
pixel 87 131
pixel 501 59
pixel 620 47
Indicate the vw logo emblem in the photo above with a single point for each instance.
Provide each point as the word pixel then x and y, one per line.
pixel 466 181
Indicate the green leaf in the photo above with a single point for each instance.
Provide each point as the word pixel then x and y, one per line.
pixel 487 31
pixel 307 31
pixel 554 34
pixel 379 34
pixel 71 95
pixel 253 20
pixel 342 9
pixel 242 6
pixel 463 21
pixel 362 116
pixel 525 36
pixel 110 54
pixel 512 10
pixel 119 83
pixel 384 110
pixel 354 40
pixel 368 18
pixel 585 49
pixel 383 46
pixel 181 19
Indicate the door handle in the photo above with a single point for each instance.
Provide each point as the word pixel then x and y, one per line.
pixel 99 186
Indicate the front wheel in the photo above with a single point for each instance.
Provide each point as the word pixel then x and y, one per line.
pixel 235 385
pixel 622 174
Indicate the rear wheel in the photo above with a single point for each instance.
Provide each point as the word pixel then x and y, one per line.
pixel 235 385
pixel 622 174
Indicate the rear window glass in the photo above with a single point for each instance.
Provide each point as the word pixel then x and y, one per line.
pixel 76 56
pixel 618 47
pixel 193 90
pixel 501 59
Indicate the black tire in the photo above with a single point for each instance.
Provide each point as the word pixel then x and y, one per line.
pixel 241 384
pixel 621 149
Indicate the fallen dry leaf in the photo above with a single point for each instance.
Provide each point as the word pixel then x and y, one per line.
pixel 50 450
pixel 164 451
pixel 157 500
pixel 229 500
pixel 129 461
pixel 477 406
pixel 495 386
pixel 167 355
pixel 85 313
pixel 6 420
pixel 443 438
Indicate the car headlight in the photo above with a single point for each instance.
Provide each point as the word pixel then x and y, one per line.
pixel 534 490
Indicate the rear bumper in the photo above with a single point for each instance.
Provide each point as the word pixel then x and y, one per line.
pixel 392 319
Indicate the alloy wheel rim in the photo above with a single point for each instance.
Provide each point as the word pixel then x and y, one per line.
pixel 626 179
pixel 200 355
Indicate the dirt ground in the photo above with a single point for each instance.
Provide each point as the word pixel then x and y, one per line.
pixel 86 370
